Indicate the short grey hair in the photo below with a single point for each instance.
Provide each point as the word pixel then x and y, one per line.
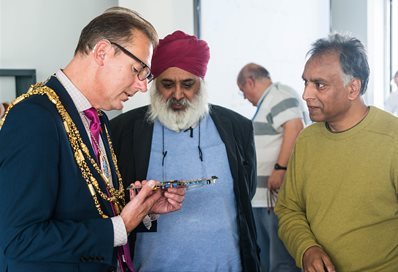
pixel 353 58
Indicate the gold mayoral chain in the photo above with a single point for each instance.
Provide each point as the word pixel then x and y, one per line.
pixel 80 151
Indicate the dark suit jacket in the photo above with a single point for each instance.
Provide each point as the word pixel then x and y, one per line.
pixel 48 221
pixel 132 138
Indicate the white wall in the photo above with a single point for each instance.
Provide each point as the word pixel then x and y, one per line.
pixel 274 33
pixel 166 16
pixel 42 34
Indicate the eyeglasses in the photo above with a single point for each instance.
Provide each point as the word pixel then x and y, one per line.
pixel 142 74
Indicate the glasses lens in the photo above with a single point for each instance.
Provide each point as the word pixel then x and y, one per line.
pixel 150 77
pixel 144 74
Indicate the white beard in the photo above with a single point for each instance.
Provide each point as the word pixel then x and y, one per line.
pixel 178 120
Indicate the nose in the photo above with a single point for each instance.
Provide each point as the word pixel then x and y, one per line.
pixel 178 93
pixel 308 92
pixel 141 85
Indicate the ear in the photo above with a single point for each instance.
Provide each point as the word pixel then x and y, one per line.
pixel 354 89
pixel 100 51
pixel 250 82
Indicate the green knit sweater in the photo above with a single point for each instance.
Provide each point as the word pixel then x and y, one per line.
pixel 340 193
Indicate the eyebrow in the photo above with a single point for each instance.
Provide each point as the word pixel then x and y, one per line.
pixel 313 79
pixel 188 80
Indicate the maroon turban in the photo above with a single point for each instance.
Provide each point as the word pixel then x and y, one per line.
pixel 183 51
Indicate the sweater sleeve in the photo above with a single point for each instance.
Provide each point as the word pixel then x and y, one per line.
pixel 294 229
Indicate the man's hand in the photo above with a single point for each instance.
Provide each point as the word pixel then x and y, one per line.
pixel 150 201
pixel 316 260
pixel 275 180
pixel 170 201
pixel 140 204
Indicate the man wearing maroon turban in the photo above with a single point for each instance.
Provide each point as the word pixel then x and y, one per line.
pixel 180 136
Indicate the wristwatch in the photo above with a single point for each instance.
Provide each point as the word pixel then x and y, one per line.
pixel 277 166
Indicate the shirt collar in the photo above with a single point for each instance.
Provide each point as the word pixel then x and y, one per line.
pixel 80 101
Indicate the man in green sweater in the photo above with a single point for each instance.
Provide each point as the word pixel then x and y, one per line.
pixel 338 207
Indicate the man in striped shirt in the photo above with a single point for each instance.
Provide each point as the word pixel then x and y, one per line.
pixel 277 122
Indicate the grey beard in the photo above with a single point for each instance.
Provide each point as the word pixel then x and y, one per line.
pixel 178 120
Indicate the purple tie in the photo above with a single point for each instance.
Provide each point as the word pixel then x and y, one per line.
pixel 95 128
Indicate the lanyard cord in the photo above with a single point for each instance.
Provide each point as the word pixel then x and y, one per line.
pixel 164 152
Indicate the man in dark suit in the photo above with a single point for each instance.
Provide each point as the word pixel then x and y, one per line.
pixel 63 205
pixel 181 136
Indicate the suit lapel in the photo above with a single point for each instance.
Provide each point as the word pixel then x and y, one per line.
pixel 70 107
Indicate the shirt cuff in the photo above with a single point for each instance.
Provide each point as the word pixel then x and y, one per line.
pixel 148 220
pixel 119 231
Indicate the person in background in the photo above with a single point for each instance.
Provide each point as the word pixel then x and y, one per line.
pixel 391 104
pixel 63 205
pixel 338 206
pixel 181 136
pixel 277 122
